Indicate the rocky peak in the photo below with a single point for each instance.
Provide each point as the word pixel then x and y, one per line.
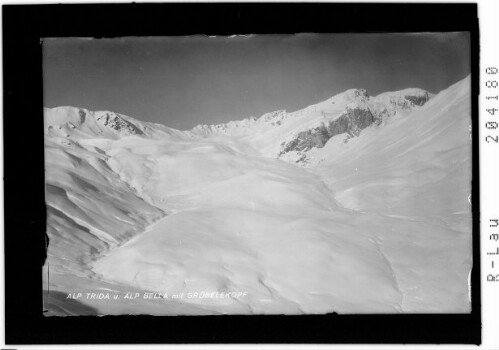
pixel 118 124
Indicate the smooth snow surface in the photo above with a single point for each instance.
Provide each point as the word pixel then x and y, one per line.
pixel 376 222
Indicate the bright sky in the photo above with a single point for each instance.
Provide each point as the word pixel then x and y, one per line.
pixel 184 81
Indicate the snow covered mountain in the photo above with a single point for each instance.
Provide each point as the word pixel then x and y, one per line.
pixel 347 113
pixel 348 206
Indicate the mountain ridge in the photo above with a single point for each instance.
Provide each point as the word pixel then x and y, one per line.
pixel 348 112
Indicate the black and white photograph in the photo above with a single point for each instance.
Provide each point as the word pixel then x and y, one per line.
pixel 248 174
pixel 259 174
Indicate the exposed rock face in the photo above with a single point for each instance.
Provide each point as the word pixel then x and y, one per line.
pixel 82 115
pixel 352 121
pixel 113 121
pixel 418 100
pixel 408 99
pixel 360 118
pixel 339 126
pixel 305 140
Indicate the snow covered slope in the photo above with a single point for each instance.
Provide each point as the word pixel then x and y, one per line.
pixel 418 164
pixel 345 206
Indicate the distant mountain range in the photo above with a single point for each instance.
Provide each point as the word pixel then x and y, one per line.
pixel 346 113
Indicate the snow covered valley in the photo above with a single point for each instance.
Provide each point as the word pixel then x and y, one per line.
pixel 357 204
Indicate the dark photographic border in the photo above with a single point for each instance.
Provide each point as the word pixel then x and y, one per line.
pixel 25 212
